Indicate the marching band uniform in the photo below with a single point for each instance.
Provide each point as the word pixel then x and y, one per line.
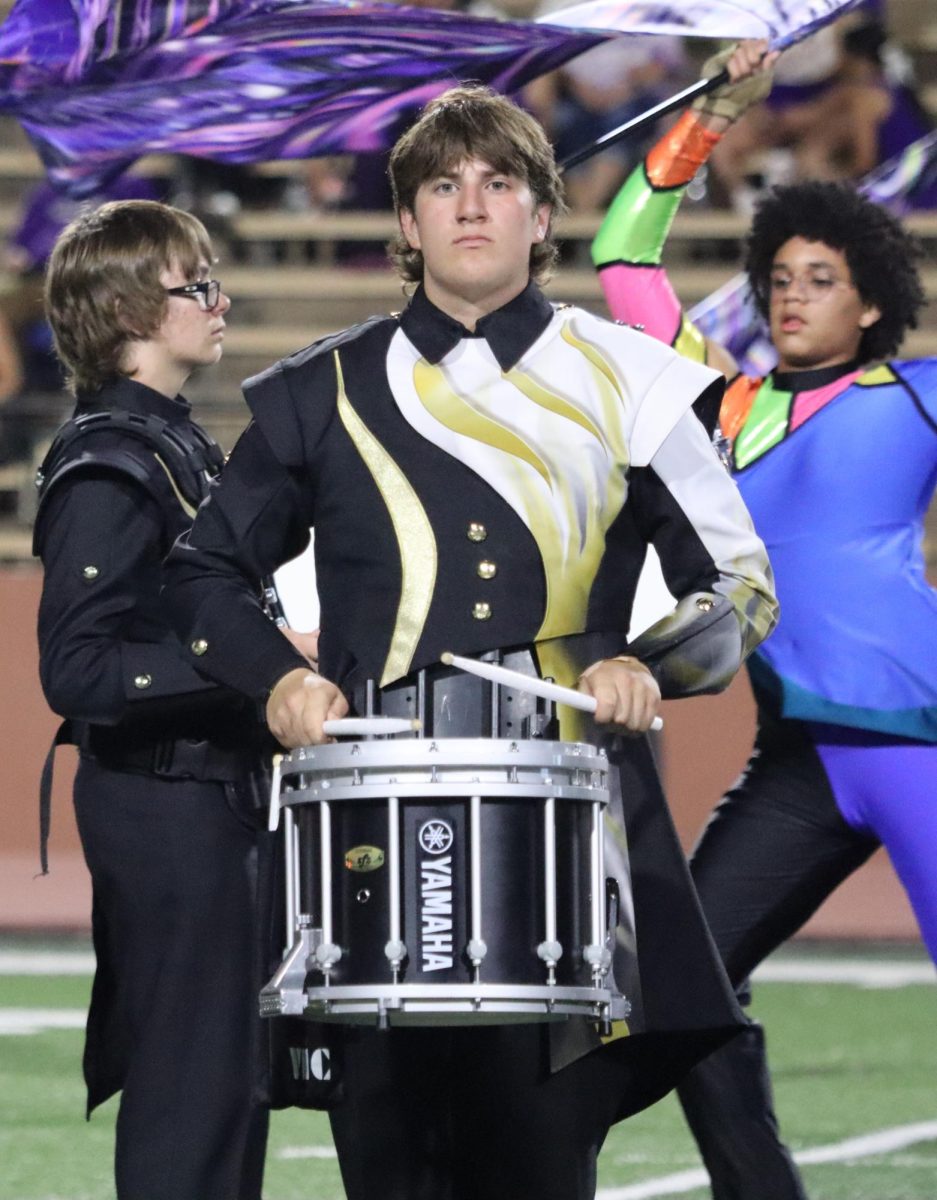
pixel 473 492
pixel 164 801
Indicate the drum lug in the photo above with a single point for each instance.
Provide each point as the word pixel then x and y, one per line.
pixel 550 953
pixel 325 956
pixel 599 958
pixel 476 950
pixel 395 952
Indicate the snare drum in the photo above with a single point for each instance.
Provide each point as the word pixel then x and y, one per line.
pixel 446 881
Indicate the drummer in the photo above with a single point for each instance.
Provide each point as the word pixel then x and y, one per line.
pixel 485 471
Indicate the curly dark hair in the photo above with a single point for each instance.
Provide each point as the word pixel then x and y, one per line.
pixel 882 255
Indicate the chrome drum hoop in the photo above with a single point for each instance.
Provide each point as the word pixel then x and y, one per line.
pixel 451 767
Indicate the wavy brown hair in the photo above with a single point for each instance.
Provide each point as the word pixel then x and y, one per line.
pixel 103 287
pixel 466 122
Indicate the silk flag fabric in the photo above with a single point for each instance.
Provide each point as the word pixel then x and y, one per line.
pixel 781 22
pixel 729 316
pixel 98 84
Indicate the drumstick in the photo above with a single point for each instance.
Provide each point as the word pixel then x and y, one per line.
pixel 529 683
pixel 364 726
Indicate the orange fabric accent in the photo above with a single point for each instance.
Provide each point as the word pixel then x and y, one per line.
pixel 737 404
pixel 679 154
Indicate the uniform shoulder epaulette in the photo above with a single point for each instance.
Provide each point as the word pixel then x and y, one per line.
pixel 334 341
pixel 319 349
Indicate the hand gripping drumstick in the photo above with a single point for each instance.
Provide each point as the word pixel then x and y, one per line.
pixel 528 683
pixel 350 727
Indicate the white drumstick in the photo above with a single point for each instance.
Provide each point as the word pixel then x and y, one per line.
pixel 364 726
pixel 529 683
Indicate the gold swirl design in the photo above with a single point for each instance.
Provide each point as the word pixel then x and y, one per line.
pixel 416 542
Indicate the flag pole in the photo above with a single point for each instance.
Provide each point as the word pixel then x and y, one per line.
pixel 680 100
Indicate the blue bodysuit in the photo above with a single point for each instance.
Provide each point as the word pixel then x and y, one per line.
pixel 837 467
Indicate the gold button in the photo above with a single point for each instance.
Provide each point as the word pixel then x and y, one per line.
pixel 199 646
pixel 487 569
pixel 476 532
pixel 481 611
pixel 704 604
pixel 90 572
pixel 142 681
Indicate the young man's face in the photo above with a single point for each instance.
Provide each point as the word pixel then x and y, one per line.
pixel 191 334
pixel 817 316
pixel 475 227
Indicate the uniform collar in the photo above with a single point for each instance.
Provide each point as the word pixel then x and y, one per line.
pixel 809 381
pixel 135 397
pixel 510 331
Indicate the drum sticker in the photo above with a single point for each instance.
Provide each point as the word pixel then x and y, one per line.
pixel 435 838
pixel 311 1064
pixel 364 858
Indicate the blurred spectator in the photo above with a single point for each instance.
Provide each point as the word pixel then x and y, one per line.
pixel 751 155
pixel 31 392
pixel 844 103
pixel 600 90
pixel 870 114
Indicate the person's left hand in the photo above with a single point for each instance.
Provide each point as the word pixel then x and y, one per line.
pixel 626 693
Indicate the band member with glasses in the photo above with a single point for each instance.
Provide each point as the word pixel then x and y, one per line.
pixel 484 472
pixel 835 454
pixel 165 794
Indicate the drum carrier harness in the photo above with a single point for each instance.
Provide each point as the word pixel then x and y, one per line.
pixel 191 460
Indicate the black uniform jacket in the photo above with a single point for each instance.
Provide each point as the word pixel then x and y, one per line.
pixel 443 525
pixel 112 503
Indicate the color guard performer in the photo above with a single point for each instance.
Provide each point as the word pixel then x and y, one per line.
pixel 835 453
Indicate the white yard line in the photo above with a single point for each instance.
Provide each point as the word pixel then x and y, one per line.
pixel 781 969
pixel 307 1152
pixel 846 970
pixel 46 962
pixel 16 1022
pixel 880 1141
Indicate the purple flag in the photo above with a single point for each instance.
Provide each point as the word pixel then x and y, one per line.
pixel 98 84
pixel 781 22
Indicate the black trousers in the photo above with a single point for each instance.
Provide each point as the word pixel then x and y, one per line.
pixel 470 1114
pixel 173 1020
pixel 774 849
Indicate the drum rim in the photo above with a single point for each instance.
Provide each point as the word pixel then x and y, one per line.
pixel 466 752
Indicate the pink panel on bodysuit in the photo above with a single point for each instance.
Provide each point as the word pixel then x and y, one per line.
pixel 807 403
pixel 642 296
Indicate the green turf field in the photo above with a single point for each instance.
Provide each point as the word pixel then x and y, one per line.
pixel 852 1061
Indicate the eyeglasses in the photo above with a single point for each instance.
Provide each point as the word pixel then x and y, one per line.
pixel 207 293
pixel 811 287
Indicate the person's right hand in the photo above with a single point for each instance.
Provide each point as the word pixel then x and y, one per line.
pixel 750 69
pixel 299 704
